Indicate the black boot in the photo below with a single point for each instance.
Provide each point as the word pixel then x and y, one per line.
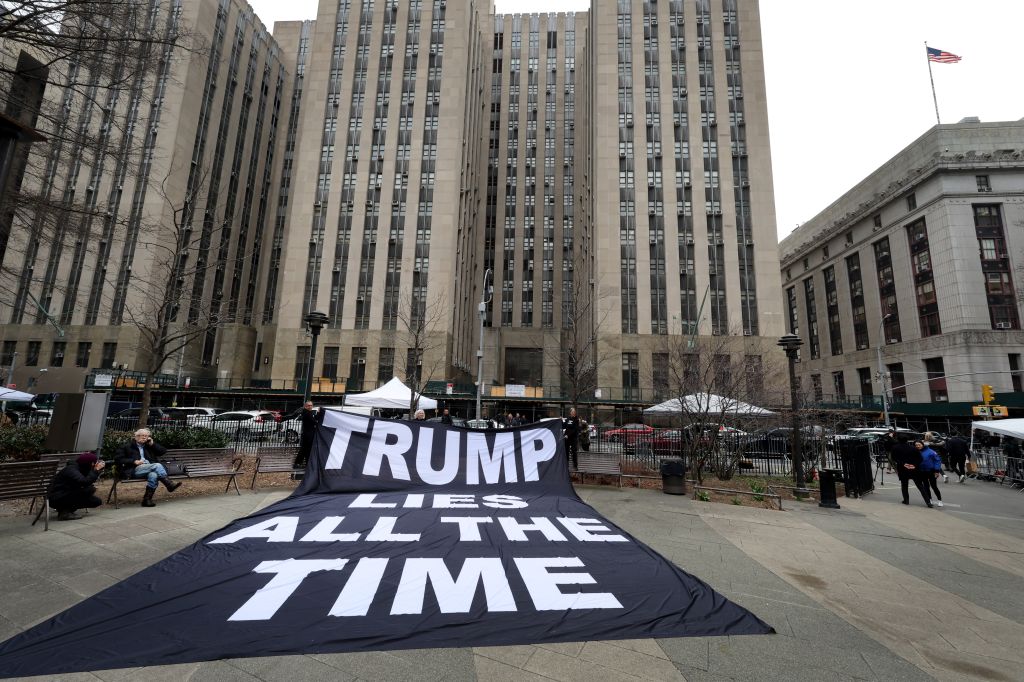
pixel 68 516
pixel 170 485
pixel 147 499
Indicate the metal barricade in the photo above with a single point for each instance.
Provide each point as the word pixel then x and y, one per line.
pixel 858 478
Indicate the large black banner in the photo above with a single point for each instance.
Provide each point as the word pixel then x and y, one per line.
pixel 402 535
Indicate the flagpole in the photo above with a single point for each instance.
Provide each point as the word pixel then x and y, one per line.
pixel 932 79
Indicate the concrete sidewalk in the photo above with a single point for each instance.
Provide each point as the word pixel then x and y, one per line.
pixel 874 591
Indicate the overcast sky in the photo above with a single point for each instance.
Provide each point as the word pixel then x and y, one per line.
pixel 848 81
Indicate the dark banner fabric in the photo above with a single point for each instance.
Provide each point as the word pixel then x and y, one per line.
pixel 402 535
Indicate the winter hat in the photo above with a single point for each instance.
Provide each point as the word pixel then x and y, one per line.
pixel 86 459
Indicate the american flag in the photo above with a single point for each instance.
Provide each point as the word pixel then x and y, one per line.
pixel 941 56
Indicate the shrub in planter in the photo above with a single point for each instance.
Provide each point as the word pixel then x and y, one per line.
pixel 183 439
pixel 112 440
pixel 22 443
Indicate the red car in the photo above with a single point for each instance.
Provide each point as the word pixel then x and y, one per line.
pixel 629 433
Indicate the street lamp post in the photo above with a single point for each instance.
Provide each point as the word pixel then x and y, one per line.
pixel 791 344
pixel 316 322
pixel 881 368
pixel 484 299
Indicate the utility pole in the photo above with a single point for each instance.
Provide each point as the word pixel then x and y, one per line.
pixel 881 368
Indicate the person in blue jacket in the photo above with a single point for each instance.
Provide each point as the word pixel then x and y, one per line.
pixel 931 468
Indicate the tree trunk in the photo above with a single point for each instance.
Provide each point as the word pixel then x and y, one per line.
pixel 147 393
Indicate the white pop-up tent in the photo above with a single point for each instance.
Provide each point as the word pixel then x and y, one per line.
pixel 393 395
pixel 1004 427
pixel 708 403
pixel 9 395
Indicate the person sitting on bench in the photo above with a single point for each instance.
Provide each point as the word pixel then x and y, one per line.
pixel 140 458
pixel 73 487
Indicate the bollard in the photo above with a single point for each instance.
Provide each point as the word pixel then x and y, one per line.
pixel 827 490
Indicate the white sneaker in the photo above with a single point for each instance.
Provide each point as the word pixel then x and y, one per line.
pixel 962 478
pixel 938 503
pixel 945 478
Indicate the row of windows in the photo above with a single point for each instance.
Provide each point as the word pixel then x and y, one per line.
pixel 58 350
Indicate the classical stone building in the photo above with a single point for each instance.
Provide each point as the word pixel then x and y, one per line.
pixel 923 259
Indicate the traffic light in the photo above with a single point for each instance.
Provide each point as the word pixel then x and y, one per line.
pixel 986 394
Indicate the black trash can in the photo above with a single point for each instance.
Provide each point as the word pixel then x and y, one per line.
pixel 673 477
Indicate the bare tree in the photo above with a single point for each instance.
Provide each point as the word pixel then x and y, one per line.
pixel 88 74
pixel 158 305
pixel 712 380
pixel 578 356
pixel 422 330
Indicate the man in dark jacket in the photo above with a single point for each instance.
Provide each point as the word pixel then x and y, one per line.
pixel 957 449
pixel 907 461
pixel 572 434
pixel 310 422
pixel 73 487
pixel 140 458
pixel 446 418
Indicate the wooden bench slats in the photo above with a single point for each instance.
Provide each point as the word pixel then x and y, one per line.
pixel 23 480
pixel 274 459
pixel 599 464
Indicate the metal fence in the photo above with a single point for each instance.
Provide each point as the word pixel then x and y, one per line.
pixel 992 465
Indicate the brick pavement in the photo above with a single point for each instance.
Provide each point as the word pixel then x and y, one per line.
pixel 875 591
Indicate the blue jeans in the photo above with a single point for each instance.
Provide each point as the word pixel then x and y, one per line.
pixel 151 472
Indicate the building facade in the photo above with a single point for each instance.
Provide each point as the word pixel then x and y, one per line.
pixel 603 175
pixel 913 276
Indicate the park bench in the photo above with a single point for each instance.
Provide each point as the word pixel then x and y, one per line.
pixel 25 480
pixel 599 464
pixel 198 463
pixel 274 460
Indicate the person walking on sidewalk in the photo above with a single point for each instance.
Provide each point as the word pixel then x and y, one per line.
pixel 907 461
pixel 140 458
pixel 931 468
pixel 957 449
pixel 939 446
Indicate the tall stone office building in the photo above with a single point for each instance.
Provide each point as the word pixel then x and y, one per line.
pixel 185 132
pixel 618 157
pixel 439 142
pixel 917 268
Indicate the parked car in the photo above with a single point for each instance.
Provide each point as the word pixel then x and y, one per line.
pixel 629 434
pixel 871 434
pixel 127 419
pixel 246 424
pixel 196 416
pixel 481 424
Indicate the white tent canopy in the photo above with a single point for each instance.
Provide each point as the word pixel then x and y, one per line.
pixel 1004 427
pixel 9 395
pixel 393 395
pixel 709 403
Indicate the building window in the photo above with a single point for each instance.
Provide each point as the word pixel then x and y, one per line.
pixel 835 327
pixel 936 372
pixel 983 184
pixel 7 354
pixel 301 362
pixel 876 220
pixel 385 365
pixel 57 353
pixel 256 359
pixel 864 379
pixel 812 318
pixel 413 365
pixel 816 387
pixel 356 369
pixel 911 201
pixel 897 382
pixel 659 375
pixel 754 367
pixel 1002 299
pixel 1015 372
pixel 82 356
pixel 887 292
pixel 860 320
pixel 330 368
pixel 109 354
pixel 631 376
pixel 839 385
pixel 32 358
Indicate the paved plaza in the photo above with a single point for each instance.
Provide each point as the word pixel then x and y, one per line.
pixel 874 591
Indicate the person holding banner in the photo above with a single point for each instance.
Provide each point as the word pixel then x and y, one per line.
pixel 309 422
pixel 572 434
